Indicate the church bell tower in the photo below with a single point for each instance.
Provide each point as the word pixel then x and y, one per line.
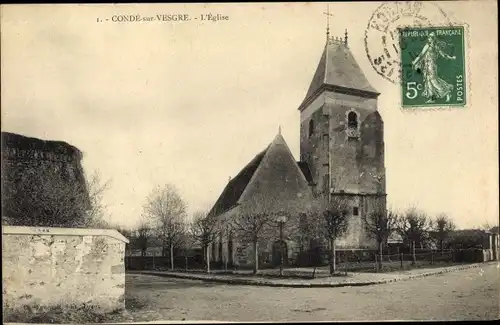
pixel 342 137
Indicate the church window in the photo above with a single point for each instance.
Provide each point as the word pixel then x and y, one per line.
pixel 326 183
pixel 352 125
pixel 325 141
pixel 311 127
pixel 355 211
pixel 352 120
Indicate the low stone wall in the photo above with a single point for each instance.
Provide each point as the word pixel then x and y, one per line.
pixel 67 267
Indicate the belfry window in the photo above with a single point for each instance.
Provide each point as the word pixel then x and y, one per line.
pixel 352 125
pixel 352 120
pixel 311 127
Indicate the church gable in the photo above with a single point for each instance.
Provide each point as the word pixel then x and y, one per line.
pixel 278 183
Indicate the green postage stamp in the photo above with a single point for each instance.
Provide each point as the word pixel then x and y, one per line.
pixel 432 67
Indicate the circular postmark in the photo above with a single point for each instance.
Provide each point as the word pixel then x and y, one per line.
pixel 382 44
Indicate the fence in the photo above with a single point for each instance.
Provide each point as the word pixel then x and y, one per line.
pixel 370 260
pixel 163 262
pixel 428 258
pixel 353 260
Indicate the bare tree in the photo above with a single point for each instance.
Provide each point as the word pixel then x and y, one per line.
pixel 330 220
pixel 167 212
pixel 187 242
pixel 203 230
pixel 258 220
pixel 379 224
pixel 142 234
pixel 252 227
pixel 487 226
pixel 96 215
pixel 413 226
pixel 443 226
pixel 303 230
pixel 125 231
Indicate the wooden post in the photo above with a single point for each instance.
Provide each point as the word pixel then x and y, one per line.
pixel 345 263
pixel 432 257
pixel 376 262
pixel 172 256
pixel 414 258
pixel 154 253
pixel 401 260
pixel 281 247
pixel 226 256
pixel 208 258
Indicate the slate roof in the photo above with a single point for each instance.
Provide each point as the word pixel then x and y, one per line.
pixel 18 141
pixel 338 67
pixel 233 190
pixel 236 186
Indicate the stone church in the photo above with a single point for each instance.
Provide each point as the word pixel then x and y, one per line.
pixel 341 154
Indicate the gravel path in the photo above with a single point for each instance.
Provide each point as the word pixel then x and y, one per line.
pixel 470 294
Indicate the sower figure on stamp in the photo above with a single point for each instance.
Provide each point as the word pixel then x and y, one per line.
pixel 426 61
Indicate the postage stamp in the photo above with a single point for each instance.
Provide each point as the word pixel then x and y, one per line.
pixel 382 43
pixel 432 66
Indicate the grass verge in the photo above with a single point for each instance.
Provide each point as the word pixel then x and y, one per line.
pixel 58 314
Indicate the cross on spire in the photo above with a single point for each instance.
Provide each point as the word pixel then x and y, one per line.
pixel 328 15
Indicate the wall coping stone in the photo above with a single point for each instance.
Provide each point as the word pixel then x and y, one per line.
pixel 21 230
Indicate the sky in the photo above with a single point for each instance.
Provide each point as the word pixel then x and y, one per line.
pixel 192 102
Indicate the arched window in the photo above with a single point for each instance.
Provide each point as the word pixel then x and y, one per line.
pixel 352 120
pixel 311 127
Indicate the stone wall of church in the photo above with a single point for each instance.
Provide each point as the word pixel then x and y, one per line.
pixel 314 147
pixel 240 252
pixel 357 162
pixel 356 236
pixel 243 255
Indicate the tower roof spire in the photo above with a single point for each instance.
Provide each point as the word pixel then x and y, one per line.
pixel 338 71
pixel 328 15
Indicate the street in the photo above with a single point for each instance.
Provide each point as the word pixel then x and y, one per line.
pixel 471 294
